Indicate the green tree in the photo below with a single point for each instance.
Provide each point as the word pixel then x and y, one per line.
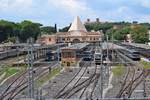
pixel 10 30
pixel 140 34
pixel 121 33
pixel 3 36
pixel 29 29
pixel 6 30
pixel 48 30
pixel 99 26
pixel 11 39
pixel 65 29
pixel 89 27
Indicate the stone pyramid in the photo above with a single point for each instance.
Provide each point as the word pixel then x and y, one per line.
pixel 77 25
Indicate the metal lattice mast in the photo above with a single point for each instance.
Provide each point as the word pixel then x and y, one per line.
pixel 30 69
pixel 112 47
pixel 107 59
pixel 107 44
pixel 144 86
pixel 101 71
pixel 58 53
pixel 17 42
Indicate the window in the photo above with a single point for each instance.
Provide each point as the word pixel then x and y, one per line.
pixel 63 39
pixel 49 39
pixel 84 39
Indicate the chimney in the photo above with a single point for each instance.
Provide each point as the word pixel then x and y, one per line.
pixel 55 28
pixel 88 20
pixel 97 20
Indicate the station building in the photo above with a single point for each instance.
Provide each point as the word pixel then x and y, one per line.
pixel 77 33
pixel 72 54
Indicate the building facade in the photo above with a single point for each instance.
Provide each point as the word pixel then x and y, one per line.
pixel 47 39
pixel 77 33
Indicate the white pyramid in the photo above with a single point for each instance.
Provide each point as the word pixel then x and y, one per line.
pixel 77 25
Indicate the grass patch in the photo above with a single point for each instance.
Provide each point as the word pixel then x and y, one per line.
pixel 118 70
pixel 146 64
pixel 1 71
pixel 9 70
pixel 48 77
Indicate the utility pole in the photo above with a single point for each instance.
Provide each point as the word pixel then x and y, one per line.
pixel 107 44
pixel 30 69
pixel 17 43
pixel 112 46
pixel 107 59
pixel 59 56
pixel 149 37
pixel 101 71
pixel 58 53
pixel 144 85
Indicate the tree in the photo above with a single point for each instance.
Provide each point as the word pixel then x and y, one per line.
pixel 29 29
pixel 23 30
pixel 110 33
pixel 65 29
pixel 140 34
pixel 118 34
pixel 6 30
pixel 99 26
pixel 3 36
pixel 11 39
pixel 48 30
pixel 89 27
pixel 10 30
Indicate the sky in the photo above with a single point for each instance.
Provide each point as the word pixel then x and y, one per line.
pixel 62 12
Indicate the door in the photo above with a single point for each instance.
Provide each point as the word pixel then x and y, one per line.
pixel 68 63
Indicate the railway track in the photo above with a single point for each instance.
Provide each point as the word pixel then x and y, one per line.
pixel 20 83
pixel 10 61
pixel 133 78
pixel 82 85
pixel 63 92
pixel 78 86
pixel 93 87
pixel 8 89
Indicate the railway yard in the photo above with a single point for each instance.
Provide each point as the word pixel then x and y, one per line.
pixel 79 71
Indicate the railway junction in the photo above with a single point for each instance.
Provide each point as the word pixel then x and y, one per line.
pixel 109 72
pixel 88 70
